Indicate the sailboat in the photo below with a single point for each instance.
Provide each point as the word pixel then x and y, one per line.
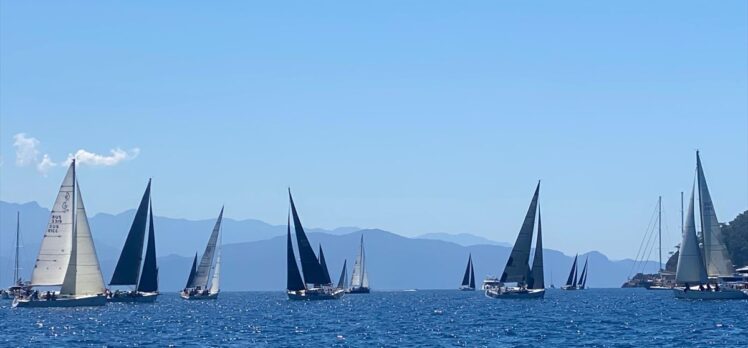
pixel 528 282
pixel 343 280
pixel 67 257
pixel 316 283
pixel 19 286
pixel 128 270
pixel 574 283
pixel 360 278
pixel 200 284
pixel 709 263
pixel 468 280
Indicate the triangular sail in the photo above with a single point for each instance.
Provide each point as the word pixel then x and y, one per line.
pixel 466 277
pixel 343 276
pixel 583 277
pixel 573 273
pixel 691 267
pixel 83 276
pixel 193 272
pixel 54 252
pixel 310 265
pixel 472 274
pixel 717 259
pixel 323 264
pixel 517 266
pixel 537 278
pixel 149 276
pixel 215 282
pixel 206 262
pixel 128 266
pixel 294 282
pixel 365 281
pixel 357 279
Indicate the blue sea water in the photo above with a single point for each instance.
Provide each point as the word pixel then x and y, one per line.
pixel 592 318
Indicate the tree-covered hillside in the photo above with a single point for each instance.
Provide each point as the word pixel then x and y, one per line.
pixel 735 234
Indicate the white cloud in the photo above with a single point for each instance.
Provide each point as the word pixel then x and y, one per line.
pixel 116 156
pixel 45 164
pixel 26 151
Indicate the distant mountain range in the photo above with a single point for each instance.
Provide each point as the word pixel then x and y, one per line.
pixel 254 252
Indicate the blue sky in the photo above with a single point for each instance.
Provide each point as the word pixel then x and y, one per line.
pixel 414 117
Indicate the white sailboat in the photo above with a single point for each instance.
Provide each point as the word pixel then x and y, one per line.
pixel 360 278
pixel 698 269
pixel 526 282
pixel 200 285
pixel 67 257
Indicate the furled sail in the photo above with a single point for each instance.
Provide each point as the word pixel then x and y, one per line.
pixel 193 271
pixel 128 266
pixel 343 276
pixel 293 277
pixel 359 271
pixel 206 262
pixel 537 278
pixel 517 266
pixel 323 264
pixel 54 253
pixel 83 276
pixel 310 266
pixel 149 276
pixel 717 259
pixel 691 267
pixel 573 273
pixel 466 277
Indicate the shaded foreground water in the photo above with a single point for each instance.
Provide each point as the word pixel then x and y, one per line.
pixel 596 317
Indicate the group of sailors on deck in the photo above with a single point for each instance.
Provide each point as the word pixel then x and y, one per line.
pixel 702 288
pixel 195 291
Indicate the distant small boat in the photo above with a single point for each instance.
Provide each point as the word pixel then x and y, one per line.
pixel 128 271
pixel 529 282
pixel 314 269
pixel 67 257
pixel 711 265
pixel 200 284
pixel 19 287
pixel 468 280
pixel 572 283
pixel 360 278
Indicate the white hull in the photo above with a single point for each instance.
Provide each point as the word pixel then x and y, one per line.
pixel 571 288
pixel 315 294
pixel 658 287
pixel 511 293
pixel 81 301
pixel 141 297
pixel 723 294
pixel 466 288
pixel 210 296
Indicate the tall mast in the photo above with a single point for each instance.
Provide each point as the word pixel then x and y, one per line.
pixel 681 210
pixel 75 186
pixel 659 226
pixel 18 233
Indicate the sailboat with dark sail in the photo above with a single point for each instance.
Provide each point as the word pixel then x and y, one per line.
pixel 705 272
pixel 360 278
pixel 67 256
pixel 526 282
pixel 19 286
pixel 468 280
pixel 343 280
pixel 316 283
pixel 204 278
pixel 573 282
pixel 144 284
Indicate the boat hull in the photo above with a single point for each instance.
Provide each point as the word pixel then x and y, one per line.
pixel 723 294
pixel 515 293
pixel 359 291
pixel 82 301
pixel 571 288
pixel 315 294
pixel 197 297
pixel 466 288
pixel 141 297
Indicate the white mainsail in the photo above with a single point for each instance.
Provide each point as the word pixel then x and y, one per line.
pixel 83 276
pixel 206 263
pixel 215 282
pixel 54 253
pixel 717 259
pixel 359 278
pixel 690 263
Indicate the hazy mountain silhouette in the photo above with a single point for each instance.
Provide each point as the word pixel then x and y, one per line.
pixel 464 239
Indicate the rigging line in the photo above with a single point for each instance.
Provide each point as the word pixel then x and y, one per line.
pixel 651 243
pixel 650 225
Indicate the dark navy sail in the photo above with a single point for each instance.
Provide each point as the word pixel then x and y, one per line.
pixel 583 277
pixel 537 279
pixel 193 271
pixel 128 267
pixel 573 274
pixel 517 266
pixel 293 277
pixel 466 277
pixel 149 276
pixel 310 266
pixel 472 273
pixel 323 264
pixel 343 276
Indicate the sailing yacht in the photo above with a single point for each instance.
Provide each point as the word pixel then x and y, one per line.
pixel 468 280
pixel 574 283
pixel 360 278
pixel 316 283
pixel 128 270
pixel 67 256
pixel 528 282
pixel 343 280
pixel 200 284
pixel 19 286
pixel 700 266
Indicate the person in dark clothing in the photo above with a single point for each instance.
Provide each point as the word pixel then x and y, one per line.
pixel 708 287
pixel 716 287
pixel 701 287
